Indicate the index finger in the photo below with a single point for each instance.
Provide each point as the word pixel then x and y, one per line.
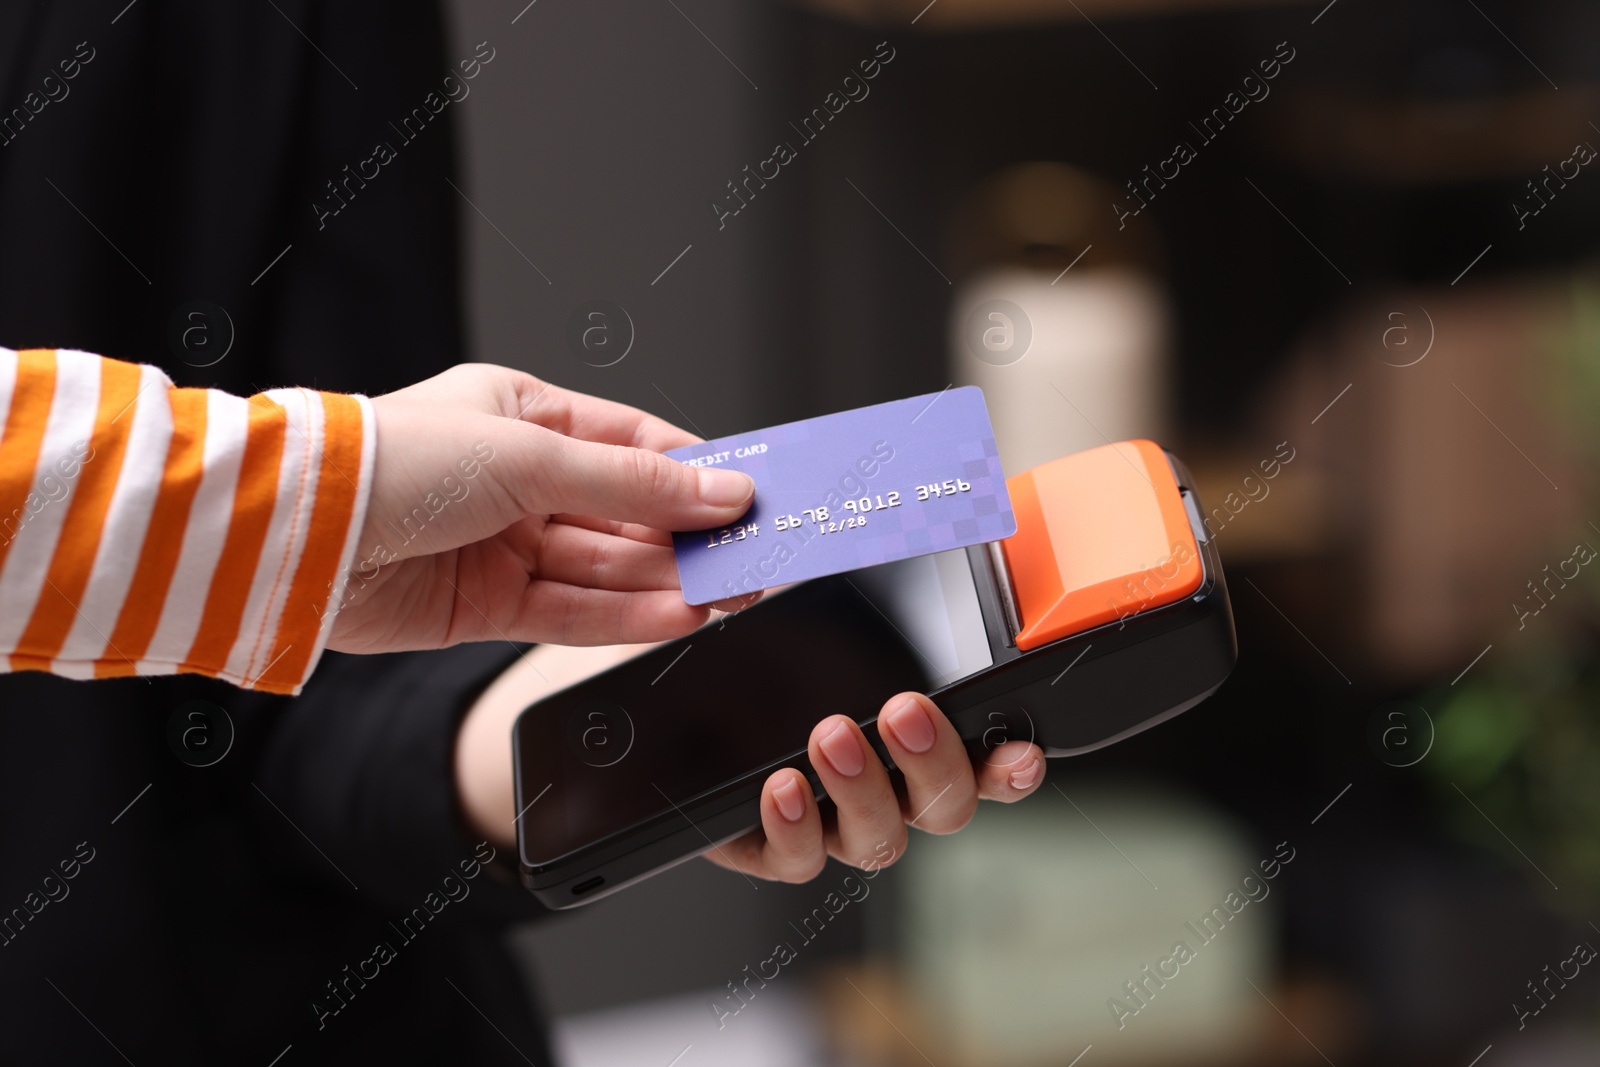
pixel 591 418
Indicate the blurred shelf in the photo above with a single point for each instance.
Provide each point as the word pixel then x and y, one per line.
pixel 1402 142
pixel 960 15
pixel 1248 529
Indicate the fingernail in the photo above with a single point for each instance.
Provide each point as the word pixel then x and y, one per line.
pixel 1027 776
pixel 723 488
pixel 791 804
pixel 911 726
pixel 842 751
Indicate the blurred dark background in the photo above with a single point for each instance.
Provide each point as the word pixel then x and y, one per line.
pixel 1356 265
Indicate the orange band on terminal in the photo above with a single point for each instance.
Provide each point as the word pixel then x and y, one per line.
pixel 1101 535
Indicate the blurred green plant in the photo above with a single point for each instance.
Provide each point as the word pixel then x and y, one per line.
pixel 1522 741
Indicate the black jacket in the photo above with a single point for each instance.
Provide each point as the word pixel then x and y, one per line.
pixel 210 907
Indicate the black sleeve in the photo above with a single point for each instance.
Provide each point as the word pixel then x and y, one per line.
pixel 362 764
pixel 220 146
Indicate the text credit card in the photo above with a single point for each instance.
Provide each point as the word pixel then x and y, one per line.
pixel 850 490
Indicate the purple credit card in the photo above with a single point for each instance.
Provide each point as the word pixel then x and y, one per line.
pixel 850 490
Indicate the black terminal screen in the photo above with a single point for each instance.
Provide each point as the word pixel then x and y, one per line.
pixel 739 695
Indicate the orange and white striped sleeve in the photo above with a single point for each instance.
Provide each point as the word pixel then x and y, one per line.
pixel 146 529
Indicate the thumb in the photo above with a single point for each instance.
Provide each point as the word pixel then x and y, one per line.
pixel 628 484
